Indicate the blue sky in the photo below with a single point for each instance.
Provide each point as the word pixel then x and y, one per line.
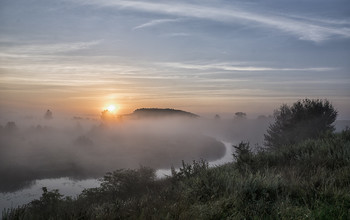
pixel 203 56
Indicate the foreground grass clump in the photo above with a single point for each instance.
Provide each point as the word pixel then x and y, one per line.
pixel 309 180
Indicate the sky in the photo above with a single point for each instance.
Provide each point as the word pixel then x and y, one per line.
pixel 208 57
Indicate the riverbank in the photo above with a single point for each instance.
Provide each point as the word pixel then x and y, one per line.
pixel 227 158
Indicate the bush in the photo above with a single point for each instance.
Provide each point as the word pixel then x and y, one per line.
pixel 243 156
pixel 303 120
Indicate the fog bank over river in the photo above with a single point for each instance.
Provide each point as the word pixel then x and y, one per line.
pixel 69 154
pixel 71 187
pixel 82 150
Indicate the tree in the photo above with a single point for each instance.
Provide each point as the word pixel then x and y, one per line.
pixel 48 114
pixel 240 115
pixel 11 127
pixel 106 115
pixel 305 119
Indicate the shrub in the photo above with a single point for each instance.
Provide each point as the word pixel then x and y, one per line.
pixel 243 156
pixel 303 120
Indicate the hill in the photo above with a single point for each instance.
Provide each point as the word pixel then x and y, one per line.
pixel 161 112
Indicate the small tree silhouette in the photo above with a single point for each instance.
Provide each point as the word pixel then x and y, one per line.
pixel 11 127
pixel 48 114
pixel 240 115
pixel 106 115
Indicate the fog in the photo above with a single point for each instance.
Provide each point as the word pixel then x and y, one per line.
pixel 80 148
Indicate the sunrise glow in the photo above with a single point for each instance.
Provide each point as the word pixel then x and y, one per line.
pixel 111 108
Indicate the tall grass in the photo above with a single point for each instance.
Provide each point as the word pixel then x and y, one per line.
pixel 309 180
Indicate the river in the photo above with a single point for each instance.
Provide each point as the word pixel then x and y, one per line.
pixel 225 159
pixel 69 187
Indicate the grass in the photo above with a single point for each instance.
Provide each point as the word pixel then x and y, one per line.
pixel 309 180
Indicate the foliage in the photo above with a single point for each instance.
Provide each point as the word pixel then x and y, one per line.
pixel 162 112
pixel 107 115
pixel 308 180
pixel 11 127
pixel 188 170
pixel 51 205
pixel 240 115
pixel 303 120
pixel 243 156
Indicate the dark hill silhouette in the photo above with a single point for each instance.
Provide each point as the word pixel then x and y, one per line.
pixel 161 112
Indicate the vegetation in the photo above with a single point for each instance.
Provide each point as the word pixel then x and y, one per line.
pixel 303 120
pixel 308 180
pixel 48 114
pixel 304 174
pixel 162 112
pixel 240 115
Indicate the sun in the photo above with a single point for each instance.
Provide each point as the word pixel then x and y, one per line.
pixel 111 108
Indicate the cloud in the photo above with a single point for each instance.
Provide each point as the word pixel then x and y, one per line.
pixel 155 23
pixel 54 48
pixel 235 67
pixel 321 20
pixel 177 34
pixel 310 29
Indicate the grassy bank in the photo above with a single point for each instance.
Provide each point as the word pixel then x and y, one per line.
pixel 309 180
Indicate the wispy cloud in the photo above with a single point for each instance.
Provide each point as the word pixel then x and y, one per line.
pixel 321 20
pixel 27 49
pixel 181 34
pixel 155 23
pixel 311 29
pixel 234 67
